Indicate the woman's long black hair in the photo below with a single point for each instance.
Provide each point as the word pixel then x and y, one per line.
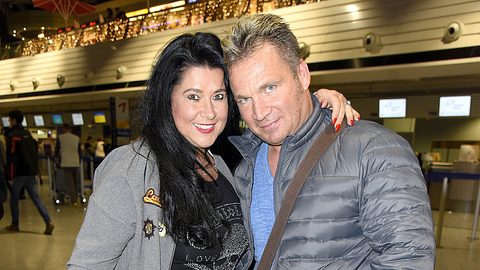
pixel 188 215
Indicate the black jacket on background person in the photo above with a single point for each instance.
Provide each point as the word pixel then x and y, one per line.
pixel 21 152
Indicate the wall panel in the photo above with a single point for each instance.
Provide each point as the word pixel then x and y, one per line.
pixel 333 32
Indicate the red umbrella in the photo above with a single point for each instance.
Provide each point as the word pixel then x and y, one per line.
pixel 64 7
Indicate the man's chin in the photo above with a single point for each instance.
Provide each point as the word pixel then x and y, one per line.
pixel 269 138
pixel 272 142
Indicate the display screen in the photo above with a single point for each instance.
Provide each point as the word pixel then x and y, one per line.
pixel 391 108
pixel 39 120
pixel 455 106
pixel 5 121
pixel 24 122
pixel 99 118
pixel 57 119
pixel 77 119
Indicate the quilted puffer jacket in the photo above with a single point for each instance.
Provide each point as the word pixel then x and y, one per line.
pixel 363 206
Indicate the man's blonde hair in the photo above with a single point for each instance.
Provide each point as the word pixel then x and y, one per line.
pixel 251 33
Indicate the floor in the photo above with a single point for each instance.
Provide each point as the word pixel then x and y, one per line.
pixel 31 249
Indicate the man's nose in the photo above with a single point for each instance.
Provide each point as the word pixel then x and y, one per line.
pixel 260 110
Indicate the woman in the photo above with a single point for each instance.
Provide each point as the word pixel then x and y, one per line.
pixel 165 201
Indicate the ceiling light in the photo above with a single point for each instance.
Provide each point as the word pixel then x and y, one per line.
pixel 352 8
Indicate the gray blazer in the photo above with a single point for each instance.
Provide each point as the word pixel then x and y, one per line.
pixel 117 230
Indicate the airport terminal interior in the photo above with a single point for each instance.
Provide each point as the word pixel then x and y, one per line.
pixel 412 66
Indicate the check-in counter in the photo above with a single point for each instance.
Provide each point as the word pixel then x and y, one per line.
pixel 447 174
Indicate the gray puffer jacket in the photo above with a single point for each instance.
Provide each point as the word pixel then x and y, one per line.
pixel 364 205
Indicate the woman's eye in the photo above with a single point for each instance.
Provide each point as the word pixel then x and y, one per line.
pixel 219 97
pixel 193 97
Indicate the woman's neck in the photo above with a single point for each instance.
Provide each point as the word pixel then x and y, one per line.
pixel 206 167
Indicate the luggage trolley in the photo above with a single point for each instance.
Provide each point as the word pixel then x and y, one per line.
pixel 57 184
pixel 82 197
pixel 53 178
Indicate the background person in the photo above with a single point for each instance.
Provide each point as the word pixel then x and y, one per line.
pixel 99 153
pixel 22 163
pixel 3 180
pixel 67 153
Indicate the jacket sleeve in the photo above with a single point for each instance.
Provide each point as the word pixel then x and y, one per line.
pixel 395 208
pixel 11 155
pixel 108 226
pixel 8 156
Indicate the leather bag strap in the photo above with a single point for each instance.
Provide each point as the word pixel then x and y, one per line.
pixel 321 144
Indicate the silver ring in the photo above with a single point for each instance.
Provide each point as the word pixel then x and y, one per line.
pixel 348 103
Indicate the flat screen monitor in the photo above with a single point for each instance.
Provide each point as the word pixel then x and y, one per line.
pixel 392 108
pixel 57 119
pixel 24 122
pixel 5 121
pixel 455 106
pixel 77 119
pixel 38 119
pixel 99 118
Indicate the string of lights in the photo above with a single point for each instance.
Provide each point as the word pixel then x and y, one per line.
pixel 170 16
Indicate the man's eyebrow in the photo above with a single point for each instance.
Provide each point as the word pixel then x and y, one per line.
pixel 240 97
pixel 264 85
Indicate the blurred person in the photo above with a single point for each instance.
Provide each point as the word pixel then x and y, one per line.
pixel 107 146
pixel 100 148
pixel 364 204
pixel 110 16
pixel 48 145
pixel 99 153
pixel 3 180
pixel 101 19
pixel 67 153
pixel 88 152
pixel 120 14
pixel 165 201
pixel 89 146
pixel 9 187
pixel 22 162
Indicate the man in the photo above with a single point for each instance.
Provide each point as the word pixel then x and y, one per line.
pixel 67 152
pixel 363 206
pixel 22 162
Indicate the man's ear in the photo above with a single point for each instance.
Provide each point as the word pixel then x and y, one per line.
pixel 304 74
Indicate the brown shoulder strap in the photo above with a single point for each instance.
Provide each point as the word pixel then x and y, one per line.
pixel 320 145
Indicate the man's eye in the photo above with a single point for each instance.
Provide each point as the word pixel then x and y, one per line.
pixel 193 97
pixel 270 88
pixel 219 97
pixel 242 101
